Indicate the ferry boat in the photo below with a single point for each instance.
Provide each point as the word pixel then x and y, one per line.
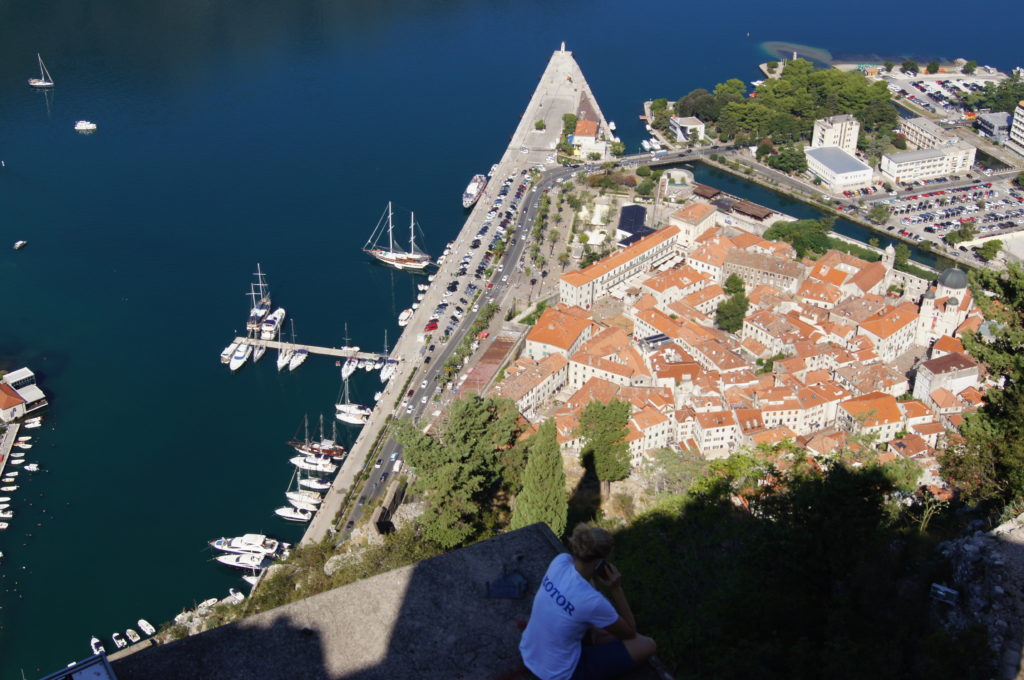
pixel 256 544
pixel 474 191
pixel 393 254
pixel 405 317
pixel 85 126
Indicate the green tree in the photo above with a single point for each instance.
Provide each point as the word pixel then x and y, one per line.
pixel 730 313
pixel 902 255
pixel 990 249
pixel 900 142
pixel 673 472
pixel 617 148
pixel 1019 180
pixel 910 66
pixel 569 123
pixel 645 188
pixel 462 470
pixel 732 87
pixel 806 236
pixel 889 66
pixel 879 213
pixel 789 159
pixel 643 171
pixel 540 125
pixel 933 66
pixel 970 67
pixel 733 284
pixel 603 429
pixel 772 66
pixel 544 497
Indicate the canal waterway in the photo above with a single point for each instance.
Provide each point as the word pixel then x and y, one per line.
pixel 237 133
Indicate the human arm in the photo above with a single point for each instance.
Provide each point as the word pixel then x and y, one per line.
pixel 625 627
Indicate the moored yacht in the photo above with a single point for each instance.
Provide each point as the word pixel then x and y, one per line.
pixel 132 635
pixel 146 627
pixel 474 191
pixel 240 356
pixel 228 352
pixel 272 324
pixel 249 543
pixel 260 294
pixel 97 646
pixel 405 317
pixel 119 640
pixel 312 464
pixel 311 497
pixel 302 504
pixel 299 356
pixel 314 483
pixel 392 253
pixel 242 560
pixel 293 514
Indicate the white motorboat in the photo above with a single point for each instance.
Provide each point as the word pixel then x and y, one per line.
pixel 32 467
pixel 44 79
pixel 240 356
pixel 132 635
pixel 314 483
pixel 4 506
pixel 85 126
pixel 405 317
pixel 260 294
pixel 242 561
pixel 5 499
pixel 4 525
pixel 293 514
pixel 386 373
pixel 393 253
pixel 10 487
pixel 23 445
pixel 6 514
pixel 272 324
pixel 97 646
pixel 11 474
pixel 422 286
pixel 252 579
pixel 25 438
pixel 146 626
pixel 302 505
pixel 119 640
pixel 377 396
pixel 206 604
pixel 310 464
pixel 18 245
pixel 17 454
pixel 378 364
pixel 228 352
pixel 17 461
pixel 311 497
pixel 256 544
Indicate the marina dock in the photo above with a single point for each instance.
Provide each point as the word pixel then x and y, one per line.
pixel 562 89
pixel 10 436
pixel 313 349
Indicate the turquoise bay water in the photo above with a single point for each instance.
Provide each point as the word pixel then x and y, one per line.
pixel 236 133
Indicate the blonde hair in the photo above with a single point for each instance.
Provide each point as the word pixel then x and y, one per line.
pixel 589 543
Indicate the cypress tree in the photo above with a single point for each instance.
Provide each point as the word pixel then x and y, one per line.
pixel 543 498
pixel 603 428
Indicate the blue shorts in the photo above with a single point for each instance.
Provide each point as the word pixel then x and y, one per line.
pixel 601 662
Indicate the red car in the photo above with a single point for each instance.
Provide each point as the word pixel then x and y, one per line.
pixel 430 327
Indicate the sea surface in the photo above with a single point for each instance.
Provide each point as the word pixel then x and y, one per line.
pixel 236 133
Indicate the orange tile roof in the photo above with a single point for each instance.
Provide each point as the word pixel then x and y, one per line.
pixel 875 408
pixel 943 398
pixel 706 294
pixel 646 301
pixel 869 277
pixel 694 213
pixel 586 128
pixel 888 322
pixel 776 435
pixel 915 409
pixel 557 328
pixel 716 419
pixel 948 344
pixel 582 277
pixel 9 398
pixel 820 291
pixel 648 417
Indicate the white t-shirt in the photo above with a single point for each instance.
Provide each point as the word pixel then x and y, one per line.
pixel 565 607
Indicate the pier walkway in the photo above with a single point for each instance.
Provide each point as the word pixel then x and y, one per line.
pixel 562 89
pixel 313 349
pixel 10 436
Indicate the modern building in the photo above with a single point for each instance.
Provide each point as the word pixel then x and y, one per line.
pixel 840 131
pixel 837 169
pixel 995 125
pixel 19 395
pixel 924 134
pixel 583 286
pixel 911 166
pixel 686 129
pixel 1016 135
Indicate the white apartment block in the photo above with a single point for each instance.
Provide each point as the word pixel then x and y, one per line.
pixel 924 134
pixel 911 166
pixel 584 286
pixel 840 131
pixel 1016 140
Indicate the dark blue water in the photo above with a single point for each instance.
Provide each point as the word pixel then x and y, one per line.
pixel 234 133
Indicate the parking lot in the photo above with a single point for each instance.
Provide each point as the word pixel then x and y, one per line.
pixel 939 94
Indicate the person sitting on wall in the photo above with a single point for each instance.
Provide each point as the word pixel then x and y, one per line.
pixel 574 632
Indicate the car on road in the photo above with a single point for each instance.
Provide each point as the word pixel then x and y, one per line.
pixel 423 385
pixel 362 500
pixel 348 525
pixel 424 399
pixel 378 463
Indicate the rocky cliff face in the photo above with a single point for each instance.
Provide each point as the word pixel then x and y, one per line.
pixel 988 573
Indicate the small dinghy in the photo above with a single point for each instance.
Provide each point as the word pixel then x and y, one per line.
pixel 147 627
pixel 132 635
pixel 97 646
pixel 4 525
pixel 119 640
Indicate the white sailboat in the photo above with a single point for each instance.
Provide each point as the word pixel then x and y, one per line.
pixel 314 483
pixel 284 354
pixel 44 79
pixel 260 294
pixel 313 464
pixel 348 412
pixel 386 373
pixel 301 504
pixel 394 254
pixel 299 354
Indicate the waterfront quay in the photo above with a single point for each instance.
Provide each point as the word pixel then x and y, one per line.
pixel 6 443
pixel 337 352
pixel 562 89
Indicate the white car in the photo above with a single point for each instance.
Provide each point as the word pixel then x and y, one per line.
pixel 423 385
pixel 424 399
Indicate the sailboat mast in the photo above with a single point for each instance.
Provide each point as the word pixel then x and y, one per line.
pixel 391 231
pixel 412 232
